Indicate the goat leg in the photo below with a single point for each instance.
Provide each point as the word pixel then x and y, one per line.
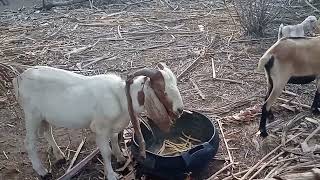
pixel 263 121
pixel 315 105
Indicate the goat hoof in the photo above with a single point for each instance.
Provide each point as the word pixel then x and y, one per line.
pixel 315 111
pixel 47 176
pixel 263 133
pixel 271 117
pixel 60 162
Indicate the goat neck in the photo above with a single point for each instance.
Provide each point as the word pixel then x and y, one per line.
pixel 133 117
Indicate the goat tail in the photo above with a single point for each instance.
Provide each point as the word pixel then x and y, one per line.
pixel 280 31
pixel 263 61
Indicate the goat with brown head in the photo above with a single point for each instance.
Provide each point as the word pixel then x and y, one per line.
pixel 163 84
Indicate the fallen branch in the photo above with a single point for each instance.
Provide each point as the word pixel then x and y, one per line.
pixel 314 8
pixel 99 59
pixel 289 125
pixel 73 171
pixel 167 4
pixel 265 157
pixel 119 33
pixel 228 80
pixel 235 174
pixel 204 51
pixel 220 171
pixel 304 145
pixel 253 40
pixel 265 165
pixel 213 69
pixel 289 93
pixel 74 51
pixel 197 88
pixel 76 154
pixel 295 103
pixel 225 142
pixel 150 47
pixel 313 175
pixel 53 34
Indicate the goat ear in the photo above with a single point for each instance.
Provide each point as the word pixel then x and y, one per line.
pixel 161 65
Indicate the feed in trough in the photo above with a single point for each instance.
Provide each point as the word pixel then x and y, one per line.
pixel 175 146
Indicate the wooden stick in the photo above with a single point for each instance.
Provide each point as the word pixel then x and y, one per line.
pixel 73 171
pixel 314 8
pixel 289 125
pixel 289 93
pixel 5 155
pixel 119 33
pixel 76 154
pixel 199 57
pixel 225 141
pixel 53 34
pixel 304 144
pixel 99 59
pixel 272 171
pixel 220 171
pixel 235 174
pixel 295 103
pixel 74 51
pixel 228 80
pixel 265 157
pixel 213 69
pixel 314 174
pixel 252 40
pixel 265 165
pixel 197 88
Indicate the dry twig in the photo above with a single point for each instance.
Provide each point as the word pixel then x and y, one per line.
pixel 197 88
pixel 220 171
pixel 76 154
pixel 73 171
pixel 225 142
pixel 265 157
pixel 204 51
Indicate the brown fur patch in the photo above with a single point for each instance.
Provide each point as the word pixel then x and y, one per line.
pixel 141 97
pixel 158 85
pixel 302 55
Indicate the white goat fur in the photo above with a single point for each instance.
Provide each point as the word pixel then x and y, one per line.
pixel 298 30
pixel 50 96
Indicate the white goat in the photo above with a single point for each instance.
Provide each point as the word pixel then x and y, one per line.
pixel 293 60
pixel 50 96
pixel 298 30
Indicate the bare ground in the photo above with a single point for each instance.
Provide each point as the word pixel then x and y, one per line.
pixel 132 36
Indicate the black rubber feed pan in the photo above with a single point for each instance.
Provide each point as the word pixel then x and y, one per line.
pixel 177 167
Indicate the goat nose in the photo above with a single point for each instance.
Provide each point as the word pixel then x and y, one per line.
pixel 180 110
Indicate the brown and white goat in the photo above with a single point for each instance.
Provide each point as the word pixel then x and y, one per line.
pixel 51 96
pixel 293 60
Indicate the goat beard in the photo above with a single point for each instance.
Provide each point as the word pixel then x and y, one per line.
pixel 157 112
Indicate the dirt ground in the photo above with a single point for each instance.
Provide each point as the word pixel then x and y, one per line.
pixel 130 36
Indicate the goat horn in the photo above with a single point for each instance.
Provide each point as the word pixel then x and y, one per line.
pixel 143 72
